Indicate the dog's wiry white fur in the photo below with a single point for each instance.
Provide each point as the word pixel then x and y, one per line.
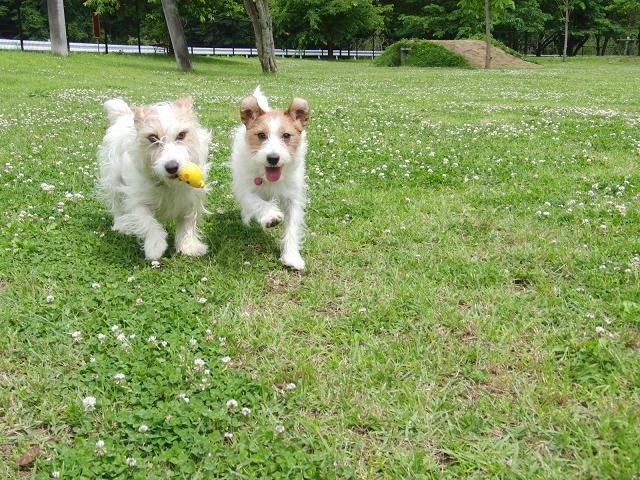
pixel 139 146
pixel 272 202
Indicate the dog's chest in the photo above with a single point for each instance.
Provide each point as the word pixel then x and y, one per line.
pixel 173 203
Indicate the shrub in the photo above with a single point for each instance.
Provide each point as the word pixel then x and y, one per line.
pixel 423 53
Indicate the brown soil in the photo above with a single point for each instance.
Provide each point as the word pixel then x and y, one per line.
pixel 473 51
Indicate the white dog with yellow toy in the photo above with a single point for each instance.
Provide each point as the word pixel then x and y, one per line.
pixel 153 165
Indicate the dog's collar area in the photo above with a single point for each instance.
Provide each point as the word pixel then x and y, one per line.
pixel 258 181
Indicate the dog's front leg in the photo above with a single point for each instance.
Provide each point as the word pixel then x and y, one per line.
pixel 293 230
pixel 266 213
pixel 188 237
pixel 141 223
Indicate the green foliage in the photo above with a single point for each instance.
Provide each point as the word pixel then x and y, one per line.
pixel 423 53
pixel 305 23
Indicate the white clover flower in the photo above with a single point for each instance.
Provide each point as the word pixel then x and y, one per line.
pixel 139 301
pixel 95 285
pixel 204 279
pixel 55 474
pixel 279 429
pixel 115 328
pixel 152 339
pixel 290 386
pixel 232 403
pixel 131 279
pixel 226 359
pixel 228 436
pixel 119 378
pixel 143 429
pixel 101 337
pixel 155 264
pixel 121 337
pixel 100 444
pixel 49 298
pixel 193 342
pixel 199 363
pixel 47 187
pixel 89 403
pixel 202 300
pixel 131 462
pixel 77 336
pixel 183 397
pixel 246 411
pixel 362 309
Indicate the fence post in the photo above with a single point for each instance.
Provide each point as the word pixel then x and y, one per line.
pixel 20 24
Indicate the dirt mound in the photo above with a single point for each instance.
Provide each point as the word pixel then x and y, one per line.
pixel 473 51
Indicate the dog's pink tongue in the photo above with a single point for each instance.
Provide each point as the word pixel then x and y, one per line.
pixel 273 173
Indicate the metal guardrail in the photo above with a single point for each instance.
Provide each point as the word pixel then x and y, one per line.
pixel 45 46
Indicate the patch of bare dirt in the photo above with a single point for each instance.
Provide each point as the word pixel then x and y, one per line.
pixel 474 50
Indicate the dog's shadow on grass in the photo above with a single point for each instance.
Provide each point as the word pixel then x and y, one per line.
pixel 230 241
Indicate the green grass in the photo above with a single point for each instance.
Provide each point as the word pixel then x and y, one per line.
pixel 422 53
pixel 469 234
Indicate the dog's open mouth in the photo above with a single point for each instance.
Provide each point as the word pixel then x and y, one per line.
pixel 273 173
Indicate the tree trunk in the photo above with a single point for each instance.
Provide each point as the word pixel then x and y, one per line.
pixel 566 31
pixel 597 45
pixel 604 45
pixel 258 11
pixel 579 44
pixel 57 28
pixel 176 32
pixel 487 31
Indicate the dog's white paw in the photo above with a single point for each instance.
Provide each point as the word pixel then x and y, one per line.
pixel 272 218
pixel 192 247
pixel 154 247
pixel 293 260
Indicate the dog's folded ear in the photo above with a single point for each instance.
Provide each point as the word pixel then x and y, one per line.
pixel 249 110
pixel 138 115
pixel 184 103
pixel 299 110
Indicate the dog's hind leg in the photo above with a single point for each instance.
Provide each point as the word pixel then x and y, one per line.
pixel 293 230
pixel 141 223
pixel 188 237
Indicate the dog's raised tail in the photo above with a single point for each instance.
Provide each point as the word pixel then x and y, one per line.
pixel 263 103
pixel 116 108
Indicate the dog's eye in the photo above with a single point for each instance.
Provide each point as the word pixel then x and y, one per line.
pixel 262 136
pixel 153 138
pixel 181 135
pixel 286 136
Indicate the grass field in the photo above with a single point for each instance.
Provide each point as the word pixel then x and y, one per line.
pixel 471 305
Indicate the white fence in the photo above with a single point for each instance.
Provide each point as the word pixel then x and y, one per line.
pixel 45 46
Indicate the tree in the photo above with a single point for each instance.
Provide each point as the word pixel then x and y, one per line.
pixel 489 9
pixel 332 24
pixel 567 7
pixel 57 27
pixel 176 32
pixel 258 11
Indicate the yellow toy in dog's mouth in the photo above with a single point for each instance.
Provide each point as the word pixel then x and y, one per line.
pixel 192 175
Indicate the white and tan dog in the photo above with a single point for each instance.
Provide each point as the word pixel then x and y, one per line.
pixel 267 165
pixel 139 157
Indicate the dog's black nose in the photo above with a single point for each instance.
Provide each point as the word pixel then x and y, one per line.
pixel 171 166
pixel 273 158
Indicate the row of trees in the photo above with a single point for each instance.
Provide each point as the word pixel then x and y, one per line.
pixel 525 25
